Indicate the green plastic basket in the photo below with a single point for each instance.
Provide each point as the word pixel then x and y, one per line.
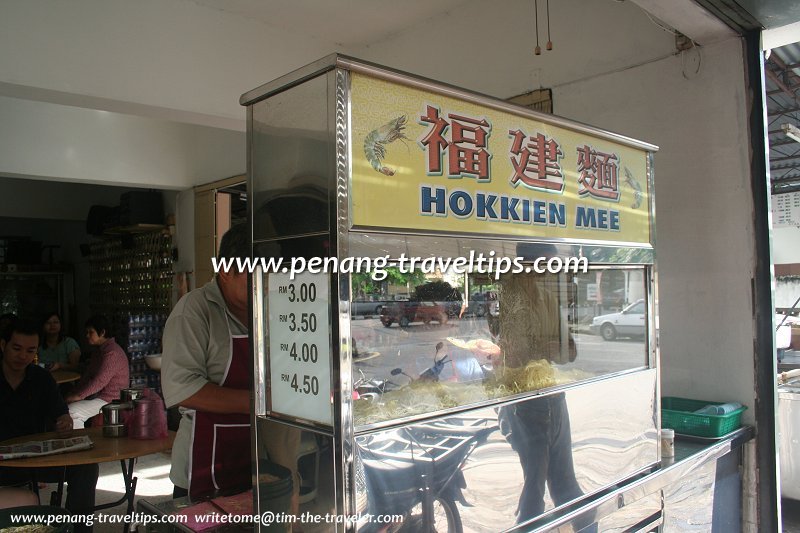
pixel 678 414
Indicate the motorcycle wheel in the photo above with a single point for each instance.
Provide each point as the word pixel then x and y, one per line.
pixel 446 518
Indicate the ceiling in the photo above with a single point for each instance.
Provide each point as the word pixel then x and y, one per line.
pixel 754 14
pixel 336 22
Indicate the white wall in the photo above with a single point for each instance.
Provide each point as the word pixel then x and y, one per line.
pixel 704 210
pixel 786 292
pixel 173 55
pixel 76 144
pixel 488 46
pixel 786 245
pixel 781 36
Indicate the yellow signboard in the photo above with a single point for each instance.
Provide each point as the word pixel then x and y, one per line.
pixel 422 161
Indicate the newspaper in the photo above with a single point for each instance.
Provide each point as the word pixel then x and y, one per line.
pixel 36 448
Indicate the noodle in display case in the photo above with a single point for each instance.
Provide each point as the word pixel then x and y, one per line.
pixel 533 339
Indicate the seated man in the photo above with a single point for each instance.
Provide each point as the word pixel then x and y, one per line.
pixel 30 403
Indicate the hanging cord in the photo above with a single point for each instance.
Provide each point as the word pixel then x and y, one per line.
pixel 691 75
pixel 538 49
pixel 686 75
pixel 549 45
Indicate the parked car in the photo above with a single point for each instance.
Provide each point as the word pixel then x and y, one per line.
pixel 441 293
pixel 783 333
pixel 404 313
pixel 368 306
pixel 630 322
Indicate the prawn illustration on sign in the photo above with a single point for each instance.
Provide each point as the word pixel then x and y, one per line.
pixel 375 143
pixel 631 182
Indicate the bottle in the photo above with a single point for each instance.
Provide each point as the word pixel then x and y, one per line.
pixel 727 408
pixel 721 409
pixel 667 442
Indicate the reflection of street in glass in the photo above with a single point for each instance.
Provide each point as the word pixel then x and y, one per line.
pixel 386 349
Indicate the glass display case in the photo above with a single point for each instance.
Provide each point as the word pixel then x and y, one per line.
pixel 519 355
pixel 429 356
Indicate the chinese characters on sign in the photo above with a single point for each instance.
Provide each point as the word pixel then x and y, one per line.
pixel 598 174
pixel 535 159
pixel 466 149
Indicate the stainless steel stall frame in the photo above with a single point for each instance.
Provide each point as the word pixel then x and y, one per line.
pixel 319 138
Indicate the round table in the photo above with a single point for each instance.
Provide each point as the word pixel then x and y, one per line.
pixel 65 376
pixel 105 449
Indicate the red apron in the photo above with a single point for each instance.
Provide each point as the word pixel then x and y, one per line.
pixel 220 450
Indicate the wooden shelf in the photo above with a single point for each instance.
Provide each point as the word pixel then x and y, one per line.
pixel 134 228
pixel 35 269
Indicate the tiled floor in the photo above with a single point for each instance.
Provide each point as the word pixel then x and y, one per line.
pixel 153 485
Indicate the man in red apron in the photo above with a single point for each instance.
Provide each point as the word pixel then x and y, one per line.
pixel 207 371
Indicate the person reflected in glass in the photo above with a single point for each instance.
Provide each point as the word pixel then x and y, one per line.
pixel 532 337
pixel 539 431
pixel 58 352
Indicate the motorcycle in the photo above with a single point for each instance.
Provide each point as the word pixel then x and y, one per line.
pixel 416 471
pixel 373 388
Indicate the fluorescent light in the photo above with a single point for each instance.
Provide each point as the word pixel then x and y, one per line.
pixel 791 131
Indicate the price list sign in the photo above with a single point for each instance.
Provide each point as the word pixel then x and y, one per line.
pixel 786 209
pixel 299 346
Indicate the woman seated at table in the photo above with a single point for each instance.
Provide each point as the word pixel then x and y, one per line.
pixel 105 376
pixel 58 351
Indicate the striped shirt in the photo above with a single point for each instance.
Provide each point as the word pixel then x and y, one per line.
pixel 107 374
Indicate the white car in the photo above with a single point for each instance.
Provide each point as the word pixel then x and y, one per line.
pixel 630 322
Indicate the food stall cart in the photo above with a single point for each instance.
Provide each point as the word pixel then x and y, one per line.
pixel 445 420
